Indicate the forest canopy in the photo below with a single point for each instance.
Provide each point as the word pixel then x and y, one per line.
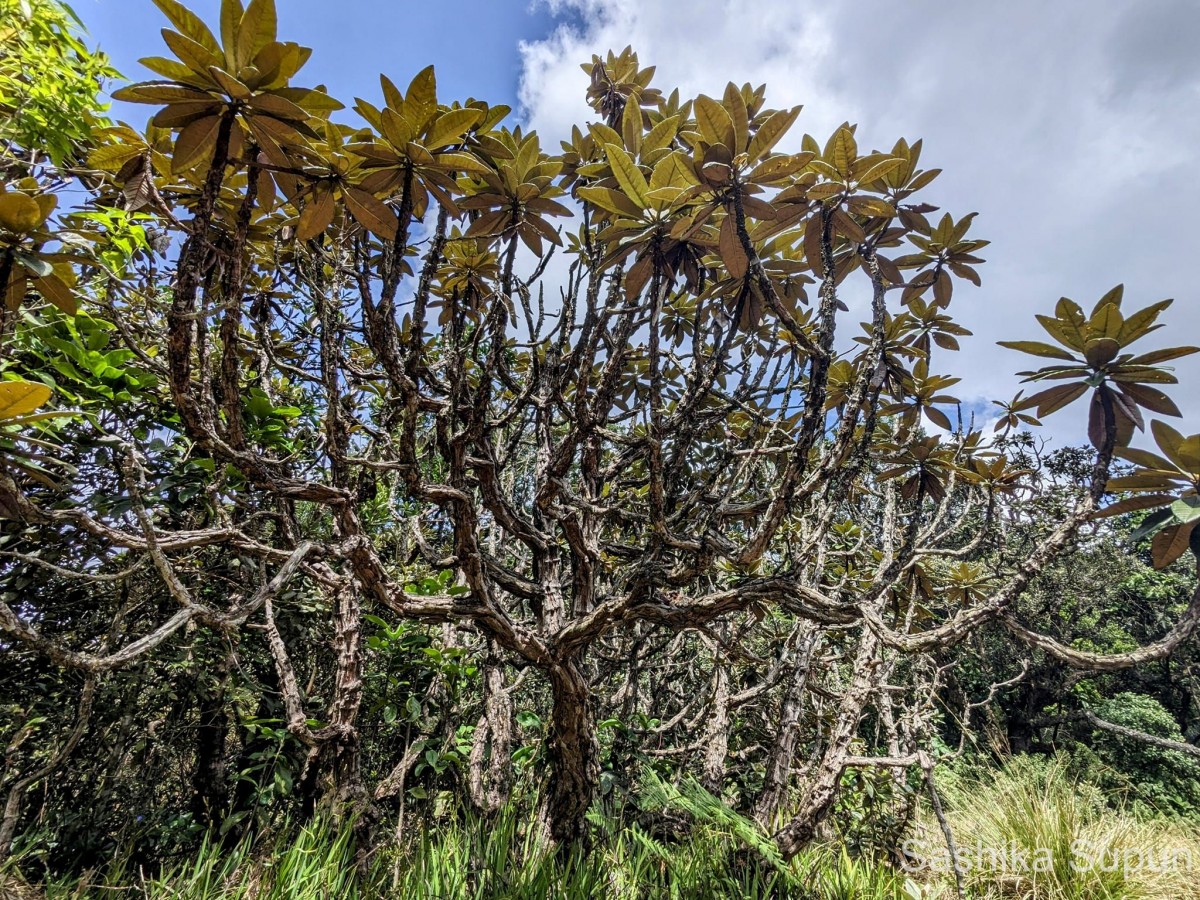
pixel 378 461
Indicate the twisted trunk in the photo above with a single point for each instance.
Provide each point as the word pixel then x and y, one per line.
pixel 574 755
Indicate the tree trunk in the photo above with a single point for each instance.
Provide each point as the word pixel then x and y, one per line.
pixel 209 788
pixel 491 749
pixel 622 754
pixel 716 731
pixel 574 756
pixel 822 787
pixel 783 748
pixel 351 795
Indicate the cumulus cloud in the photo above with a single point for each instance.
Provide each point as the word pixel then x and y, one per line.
pixel 1071 127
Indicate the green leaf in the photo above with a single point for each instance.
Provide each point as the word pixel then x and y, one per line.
pixel 189 24
pixel 1186 509
pixel 1151 524
pixel 449 127
pixel 771 131
pixel 716 126
pixel 628 175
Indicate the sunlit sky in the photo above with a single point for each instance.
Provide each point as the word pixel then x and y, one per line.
pixel 1071 126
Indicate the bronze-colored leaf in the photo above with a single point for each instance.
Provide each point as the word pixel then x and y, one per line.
pixel 1168 545
pixel 195 143
pixel 1133 504
pixel 153 92
pixel 56 291
pixel 628 175
pixel 842 150
pixel 188 23
pixel 716 127
pixel 769 133
pixel 317 214
pixel 420 103
pixel 631 127
pixel 1037 348
pixel 192 54
pixel 371 213
pixel 256 30
pixel 450 127
pixel 733 254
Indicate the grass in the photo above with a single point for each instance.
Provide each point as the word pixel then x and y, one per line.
pixel 1054 838
pixel 1025 807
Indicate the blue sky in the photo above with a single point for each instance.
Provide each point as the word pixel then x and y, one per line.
pixel 473 43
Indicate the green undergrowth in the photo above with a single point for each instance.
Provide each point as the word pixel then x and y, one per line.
pixel 681 842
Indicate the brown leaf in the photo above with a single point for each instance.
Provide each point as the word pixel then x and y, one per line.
pixel 14 292
pixel 637 276
pixel 371 213
pixel 317 214
pixel 194 143
pixel 55 290
pixel 733 254
pixel 847 226
pixel 1055 398
pixel 1168 545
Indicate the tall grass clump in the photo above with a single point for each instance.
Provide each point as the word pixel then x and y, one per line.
pixel 315 862
pixel 1031 831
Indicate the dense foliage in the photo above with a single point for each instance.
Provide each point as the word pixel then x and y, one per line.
pixel 389 470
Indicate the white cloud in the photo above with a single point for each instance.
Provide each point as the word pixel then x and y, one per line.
pixel 1071 127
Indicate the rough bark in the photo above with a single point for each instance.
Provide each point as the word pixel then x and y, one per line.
pixel 491 748
pixel 573 753
pixel 209 787
pixel 716 731
pixel 783 748
pixel 821 789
